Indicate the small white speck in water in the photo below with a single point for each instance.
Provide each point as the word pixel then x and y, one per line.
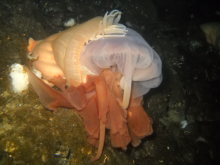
pixel 183 124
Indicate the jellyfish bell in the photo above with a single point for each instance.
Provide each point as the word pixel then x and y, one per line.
pixel 130 55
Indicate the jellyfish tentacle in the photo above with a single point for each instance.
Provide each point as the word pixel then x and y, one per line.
pixel 127 93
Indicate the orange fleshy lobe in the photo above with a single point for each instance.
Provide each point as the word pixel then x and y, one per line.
pixel 32 44
pixel 98 102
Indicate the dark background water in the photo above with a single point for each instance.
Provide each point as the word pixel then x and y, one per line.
pixel 190 91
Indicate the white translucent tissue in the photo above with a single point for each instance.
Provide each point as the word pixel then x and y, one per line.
pixel 19 78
